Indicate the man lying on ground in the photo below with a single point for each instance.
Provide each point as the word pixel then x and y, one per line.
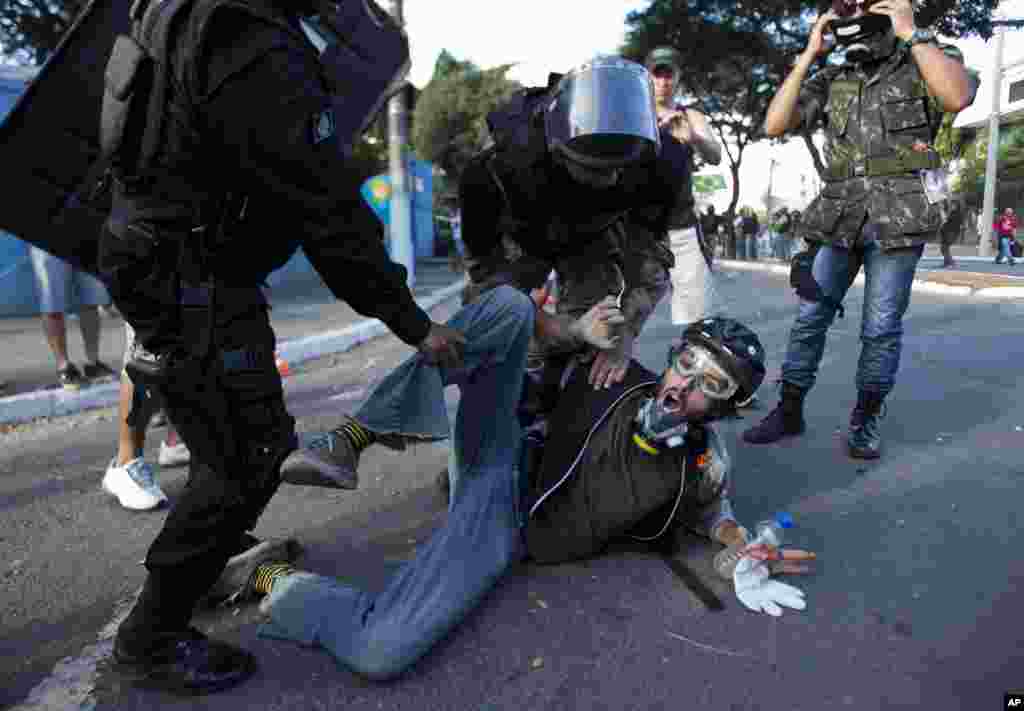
pixel 635 458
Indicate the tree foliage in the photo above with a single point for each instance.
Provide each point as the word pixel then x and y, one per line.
pixel 31 29
pixel 448 123
pixel 970 179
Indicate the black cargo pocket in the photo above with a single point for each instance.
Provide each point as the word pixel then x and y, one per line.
pixel 905 115
pixel 127 82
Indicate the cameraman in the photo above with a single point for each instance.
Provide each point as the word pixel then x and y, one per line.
pixel 881 110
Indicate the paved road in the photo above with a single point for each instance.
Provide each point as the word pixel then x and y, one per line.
pixel 975 264
pixel 915 603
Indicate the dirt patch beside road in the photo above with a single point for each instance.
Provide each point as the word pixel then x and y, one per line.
pixel 974 280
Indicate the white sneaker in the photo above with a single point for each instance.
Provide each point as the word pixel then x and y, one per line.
pixel 134 485
pixel 175 456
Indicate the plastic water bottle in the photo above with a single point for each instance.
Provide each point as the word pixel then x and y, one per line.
pixel 771 531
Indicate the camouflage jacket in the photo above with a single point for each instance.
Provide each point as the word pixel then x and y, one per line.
pixel 879 133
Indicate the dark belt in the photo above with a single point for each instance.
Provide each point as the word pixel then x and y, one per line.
pixel 201 295
pixel 245 359
pixel 886 165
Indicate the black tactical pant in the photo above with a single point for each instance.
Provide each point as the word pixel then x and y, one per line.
pixel 229 409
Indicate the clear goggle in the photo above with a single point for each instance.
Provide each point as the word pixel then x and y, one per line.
pixel 698 363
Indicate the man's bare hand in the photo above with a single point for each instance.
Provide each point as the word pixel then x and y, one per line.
pixel 599 326
pixel 901 12
pixel 678 125
pixel 443 346
pixel 609 367
pixel 816 44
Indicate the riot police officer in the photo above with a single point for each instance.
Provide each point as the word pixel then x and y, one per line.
pixel 881 111
pixel 577 181
pixel 228 127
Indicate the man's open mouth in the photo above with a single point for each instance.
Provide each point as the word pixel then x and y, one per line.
pixel 671 400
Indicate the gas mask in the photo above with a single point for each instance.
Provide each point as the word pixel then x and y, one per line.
pixel 656 426
pixel 865 38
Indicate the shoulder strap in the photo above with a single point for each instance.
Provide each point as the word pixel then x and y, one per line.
pixel 152 24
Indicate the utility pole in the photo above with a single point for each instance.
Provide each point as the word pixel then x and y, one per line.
pixel 400 229
pixel 987 216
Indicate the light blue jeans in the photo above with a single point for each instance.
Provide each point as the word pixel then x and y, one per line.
pixel 1004 250
pixel 888 278
pixel 381 635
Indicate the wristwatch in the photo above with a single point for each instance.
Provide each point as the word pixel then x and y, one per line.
pixel 919 35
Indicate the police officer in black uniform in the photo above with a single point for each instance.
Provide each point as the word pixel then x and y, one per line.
pixel 228 124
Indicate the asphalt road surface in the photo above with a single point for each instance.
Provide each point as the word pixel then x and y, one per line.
pixel 915 602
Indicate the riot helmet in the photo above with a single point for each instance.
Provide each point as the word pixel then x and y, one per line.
pixel 600 118
pixel 365 54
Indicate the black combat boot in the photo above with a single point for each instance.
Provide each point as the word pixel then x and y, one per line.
pixel 864 439
pixel 786 420
pixel 190 664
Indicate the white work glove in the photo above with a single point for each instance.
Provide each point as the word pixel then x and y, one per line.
pixel 758 592
pixel 598 326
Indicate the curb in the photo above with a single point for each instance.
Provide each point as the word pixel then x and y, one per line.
pixel 56 403
pixel 989 292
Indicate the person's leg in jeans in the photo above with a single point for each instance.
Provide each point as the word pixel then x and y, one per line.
pixel 381 635
pixel 832 269
pixel 1004 250
pixel 888 280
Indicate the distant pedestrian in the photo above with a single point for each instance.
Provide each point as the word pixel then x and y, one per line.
pixel 129 477
pixel 749 228
pixel 61 289
pixel 949 234
pixel 1006 233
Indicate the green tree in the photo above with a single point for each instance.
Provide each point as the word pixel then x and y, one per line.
pixel 31 29
pixel 970 181
pixel 449 120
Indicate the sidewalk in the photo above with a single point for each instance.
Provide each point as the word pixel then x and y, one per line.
pixel 973 276
pixel 308 320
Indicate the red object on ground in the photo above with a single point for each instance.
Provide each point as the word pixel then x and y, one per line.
pixel 283 368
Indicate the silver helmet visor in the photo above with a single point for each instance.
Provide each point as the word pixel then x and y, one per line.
pixel 602 114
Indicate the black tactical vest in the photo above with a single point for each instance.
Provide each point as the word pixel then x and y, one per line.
pixel 149 126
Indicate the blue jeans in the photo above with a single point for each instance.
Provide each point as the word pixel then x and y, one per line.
pixel 1004 250
pixel 381 635
pixel 888 276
